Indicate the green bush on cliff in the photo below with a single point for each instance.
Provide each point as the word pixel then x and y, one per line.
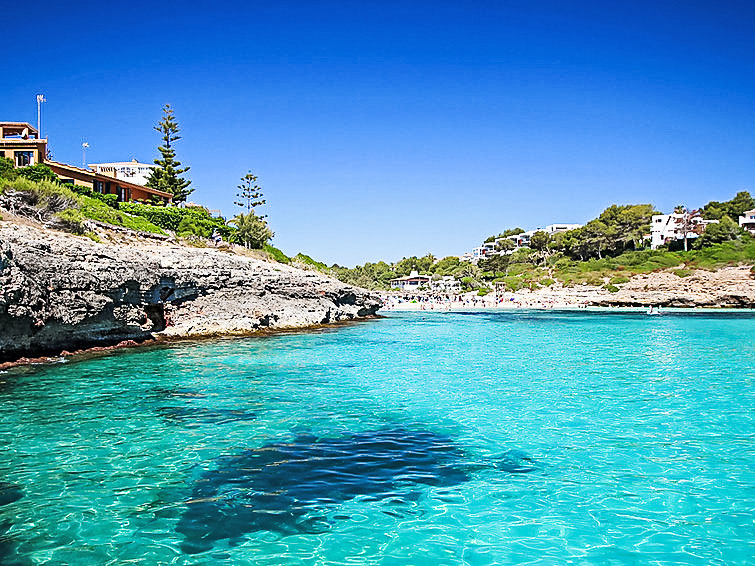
pixel 48 198
pixel 182 221
pixel 7 170
pixel 110 199
pixel 304 259
pixel 276 254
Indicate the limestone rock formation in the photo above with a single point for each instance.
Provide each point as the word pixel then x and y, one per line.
pixel 59 291
pixel 731 287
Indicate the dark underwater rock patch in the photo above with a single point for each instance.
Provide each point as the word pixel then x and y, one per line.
pixel 516 462
pixel 9 493
pixel 280 487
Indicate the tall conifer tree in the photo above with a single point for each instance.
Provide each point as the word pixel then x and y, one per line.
pixel 167 175
pixel 250 193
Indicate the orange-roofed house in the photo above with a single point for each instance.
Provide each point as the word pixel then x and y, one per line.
pixel 20 142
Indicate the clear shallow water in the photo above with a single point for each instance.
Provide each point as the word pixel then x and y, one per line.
pixel 422 438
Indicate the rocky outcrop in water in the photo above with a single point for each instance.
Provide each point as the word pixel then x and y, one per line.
pixel 59 291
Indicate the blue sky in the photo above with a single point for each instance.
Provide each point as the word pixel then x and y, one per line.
pixel 382 129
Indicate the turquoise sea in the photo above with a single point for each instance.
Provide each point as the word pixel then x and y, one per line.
pixel 416 439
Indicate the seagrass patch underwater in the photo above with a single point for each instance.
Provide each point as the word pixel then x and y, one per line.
pixel 419 438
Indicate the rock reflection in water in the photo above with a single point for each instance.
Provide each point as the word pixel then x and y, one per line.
pixel 275 487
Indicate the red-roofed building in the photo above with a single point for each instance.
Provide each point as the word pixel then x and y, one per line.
pixel 20 142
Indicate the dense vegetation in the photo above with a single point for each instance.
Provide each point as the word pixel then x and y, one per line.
pixel 50 202
pixel 37 193
pixel 525 271
pixel 606 251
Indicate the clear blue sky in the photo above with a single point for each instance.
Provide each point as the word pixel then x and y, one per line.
pixel 382 129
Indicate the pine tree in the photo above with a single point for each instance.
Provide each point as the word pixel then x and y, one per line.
pixel 250 194
pixel 167 175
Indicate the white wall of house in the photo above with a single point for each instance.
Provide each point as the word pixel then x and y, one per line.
pixel 130 171
pixel 747 221
pixel 555 228
pixel 665 228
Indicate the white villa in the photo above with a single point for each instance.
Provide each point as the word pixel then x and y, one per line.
pixel 666 228
pixel 412 282
pixel 551 229
pixel 131 171
pixel 747 221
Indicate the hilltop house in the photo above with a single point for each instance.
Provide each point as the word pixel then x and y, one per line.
pixel 105 184
pixel 667 228
pixel 131 171
pixel 20 142
pixel 747 221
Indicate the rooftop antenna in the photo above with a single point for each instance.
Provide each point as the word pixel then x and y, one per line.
pixel 84 147
pixel 40 99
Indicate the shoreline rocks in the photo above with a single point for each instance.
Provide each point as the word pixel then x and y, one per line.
pixel 63 292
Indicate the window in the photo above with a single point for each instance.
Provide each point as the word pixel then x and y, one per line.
pixel 2 154
pixel 24 158
pixel 98 186
pixel 67 181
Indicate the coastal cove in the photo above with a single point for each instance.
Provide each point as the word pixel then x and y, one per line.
pixel 471 437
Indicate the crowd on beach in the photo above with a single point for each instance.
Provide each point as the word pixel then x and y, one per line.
pixel 449 302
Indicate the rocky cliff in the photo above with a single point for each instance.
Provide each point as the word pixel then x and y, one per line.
pixel 730 287
pixel 59 291
pixel 727 287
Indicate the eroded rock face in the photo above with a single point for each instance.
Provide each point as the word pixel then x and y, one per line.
pixel 731 287
pixel 59 291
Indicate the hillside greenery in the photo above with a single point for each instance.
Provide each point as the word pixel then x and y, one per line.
pixel 607 251
pixel 52 202
pixel 38 194
pixel 524 272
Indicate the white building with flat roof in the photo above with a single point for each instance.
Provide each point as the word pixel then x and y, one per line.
pixel 132 171
pixel 551 229
pixel 747 221
pixel 667 228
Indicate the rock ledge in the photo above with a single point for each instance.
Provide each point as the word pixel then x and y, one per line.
pixel 63 292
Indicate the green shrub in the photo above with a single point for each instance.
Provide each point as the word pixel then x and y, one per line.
pixel 182 221
pixel 276 254
pixel 611 288
pixel 7 170
pixel 513 283
pixel 682 272
pixel 37 172
pixel 72 220
pixel 618 280
pixel 307 260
